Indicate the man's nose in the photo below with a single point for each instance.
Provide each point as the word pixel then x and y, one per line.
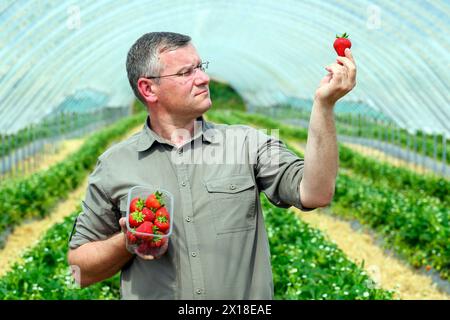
pixel 201 77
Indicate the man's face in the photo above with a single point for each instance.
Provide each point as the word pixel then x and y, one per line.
pixel 183 96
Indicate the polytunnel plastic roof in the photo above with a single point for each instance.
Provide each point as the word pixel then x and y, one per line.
pixel 268 50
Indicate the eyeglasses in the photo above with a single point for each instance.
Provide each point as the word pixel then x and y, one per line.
pixel 185 74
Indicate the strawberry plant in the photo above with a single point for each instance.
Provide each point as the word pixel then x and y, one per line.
pixel 34 197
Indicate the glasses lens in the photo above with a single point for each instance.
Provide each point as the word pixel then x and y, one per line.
pixel 189 72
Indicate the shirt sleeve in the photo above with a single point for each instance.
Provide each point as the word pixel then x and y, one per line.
pixel 99 218
pixel 278 171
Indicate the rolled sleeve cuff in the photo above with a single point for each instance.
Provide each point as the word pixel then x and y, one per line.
pixel 289 189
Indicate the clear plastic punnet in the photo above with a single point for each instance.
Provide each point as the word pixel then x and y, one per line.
pixel 149 221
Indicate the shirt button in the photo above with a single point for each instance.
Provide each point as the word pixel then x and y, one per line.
pixel 232 186
pixel 198 291
pixel 188 219
pixel 183 183
pixel 194 254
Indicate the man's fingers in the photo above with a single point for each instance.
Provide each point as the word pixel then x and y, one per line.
pixel 346 62
pixel 348 53
pixel 336 70
pixel 122 223
pixel 349 63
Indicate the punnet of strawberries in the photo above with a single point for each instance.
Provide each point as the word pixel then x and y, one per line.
pixel 149 225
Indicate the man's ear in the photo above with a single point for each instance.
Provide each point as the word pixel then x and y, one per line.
pixel 147 88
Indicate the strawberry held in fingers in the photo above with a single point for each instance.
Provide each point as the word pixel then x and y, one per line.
pixel 341 43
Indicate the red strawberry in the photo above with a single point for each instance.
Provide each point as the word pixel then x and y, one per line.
pixel 131 237
pixel 341 43
pixel 145 227
pixel 135 219
pixel 158 241
pixel 149 215
pixel 154 201
pixel 136 204
pixel 162 219
pixel 144 248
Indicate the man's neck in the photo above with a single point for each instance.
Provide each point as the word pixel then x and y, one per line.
pixel 175 130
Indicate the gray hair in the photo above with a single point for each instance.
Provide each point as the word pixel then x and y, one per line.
pixel 143 56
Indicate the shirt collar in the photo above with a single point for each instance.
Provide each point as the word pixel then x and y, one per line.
pixel 148 136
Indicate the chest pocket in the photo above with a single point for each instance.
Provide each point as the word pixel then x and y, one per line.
pixel 232 201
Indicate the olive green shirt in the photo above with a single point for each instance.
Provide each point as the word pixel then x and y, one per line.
pixel 219 247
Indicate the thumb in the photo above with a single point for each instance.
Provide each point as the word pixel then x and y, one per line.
pixel 123 225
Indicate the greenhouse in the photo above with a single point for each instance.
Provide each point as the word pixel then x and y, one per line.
pixel 67 109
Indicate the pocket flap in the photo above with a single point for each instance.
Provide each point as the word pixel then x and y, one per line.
pixel 232 184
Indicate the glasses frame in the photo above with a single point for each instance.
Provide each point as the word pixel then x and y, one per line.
pixel 202 66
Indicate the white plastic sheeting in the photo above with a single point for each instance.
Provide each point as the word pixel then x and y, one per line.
pixel 269 50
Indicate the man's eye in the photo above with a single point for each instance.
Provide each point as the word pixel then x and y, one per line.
pixel 187 73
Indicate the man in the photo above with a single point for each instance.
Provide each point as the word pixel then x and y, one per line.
pixel 219 247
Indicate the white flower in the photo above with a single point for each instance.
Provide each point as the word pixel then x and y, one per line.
pixel 366 294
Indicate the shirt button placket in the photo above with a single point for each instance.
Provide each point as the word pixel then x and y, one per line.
pixel 191 236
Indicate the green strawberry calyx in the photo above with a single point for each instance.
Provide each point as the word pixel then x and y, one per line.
pixel 345 36
pixel 137 216
pixel 162 219
pixel 158 196
pixel 140 204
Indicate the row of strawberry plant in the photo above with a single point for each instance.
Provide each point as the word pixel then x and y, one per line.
pixel 357 125
pixel 45 274
pixel 413 223
pixel 305 266
pixel 397 178
pixel 56 125
pixel 35 196
pixel 417 228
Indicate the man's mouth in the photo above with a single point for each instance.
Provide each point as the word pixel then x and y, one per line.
pixel 201 92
